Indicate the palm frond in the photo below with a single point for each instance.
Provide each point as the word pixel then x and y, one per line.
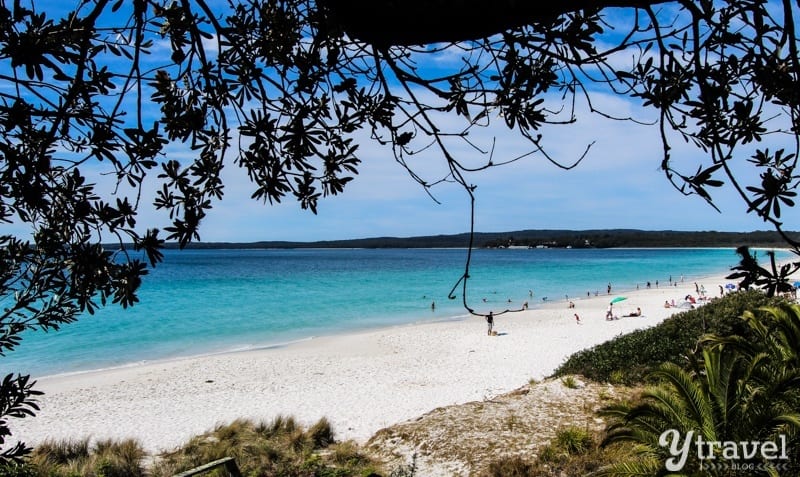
pixel 690 393
pixel 643 467
pixel 788 424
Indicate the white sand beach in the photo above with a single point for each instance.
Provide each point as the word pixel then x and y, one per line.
pixel 360 382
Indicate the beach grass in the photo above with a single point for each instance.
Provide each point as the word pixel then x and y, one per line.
pixel 76 457
pixel 570 382
pixel 278 447
pixel 573 451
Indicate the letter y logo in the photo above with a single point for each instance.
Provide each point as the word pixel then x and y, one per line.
pixel 679 455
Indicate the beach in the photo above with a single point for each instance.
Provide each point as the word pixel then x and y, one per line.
pixel 361 382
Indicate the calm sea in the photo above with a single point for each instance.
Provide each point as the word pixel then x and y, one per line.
pixel 208 301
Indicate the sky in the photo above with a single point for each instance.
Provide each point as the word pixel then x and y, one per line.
pixel 619 184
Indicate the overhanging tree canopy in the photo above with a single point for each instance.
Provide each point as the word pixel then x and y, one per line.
pixel 419 22
pixel 286 89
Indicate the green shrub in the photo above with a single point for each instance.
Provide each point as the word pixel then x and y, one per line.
pixel 627 359
pixel 18 470
pixel 548 454
pixel 569 382
pixel 574 440
pixel 617 377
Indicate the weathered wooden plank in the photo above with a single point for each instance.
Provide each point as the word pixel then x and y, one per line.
pixel 229 463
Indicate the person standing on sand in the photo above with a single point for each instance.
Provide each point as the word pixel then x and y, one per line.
pixel 490 323
pixel 577 319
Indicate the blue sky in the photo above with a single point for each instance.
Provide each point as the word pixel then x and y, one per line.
pixel 618 185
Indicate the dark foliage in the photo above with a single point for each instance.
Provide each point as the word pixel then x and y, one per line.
pixel 630 358
pixel 773 281
pixel 628 238
pixel 555 238
pixel 17 400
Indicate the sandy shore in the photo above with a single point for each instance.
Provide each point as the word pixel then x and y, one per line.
pixel 360 382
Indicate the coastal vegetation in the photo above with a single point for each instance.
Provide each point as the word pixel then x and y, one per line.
pixel 281 447
pixel 534 238
pixel 739 388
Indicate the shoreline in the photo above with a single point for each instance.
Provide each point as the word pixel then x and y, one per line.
pixel 158 330
pixel 361 381
pixel 465 316
pixel 536 304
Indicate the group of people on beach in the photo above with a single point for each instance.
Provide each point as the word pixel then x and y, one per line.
pixel 610 310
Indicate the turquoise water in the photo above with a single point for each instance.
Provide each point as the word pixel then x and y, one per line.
pixel 208 301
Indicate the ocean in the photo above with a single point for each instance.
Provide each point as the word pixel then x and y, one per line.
pixel 211 301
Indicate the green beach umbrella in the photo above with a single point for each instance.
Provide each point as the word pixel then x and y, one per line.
pixel 618 299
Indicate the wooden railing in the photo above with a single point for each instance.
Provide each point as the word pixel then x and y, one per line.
pixel 227 463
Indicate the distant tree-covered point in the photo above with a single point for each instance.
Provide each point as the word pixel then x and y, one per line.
pixel 632 238
pixel 537 239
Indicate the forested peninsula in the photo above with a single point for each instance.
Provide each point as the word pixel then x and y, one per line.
pixel 537 239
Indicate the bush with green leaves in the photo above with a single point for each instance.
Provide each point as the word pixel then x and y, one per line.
pixel 14 469
pixel 737 388
pixel 574 440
